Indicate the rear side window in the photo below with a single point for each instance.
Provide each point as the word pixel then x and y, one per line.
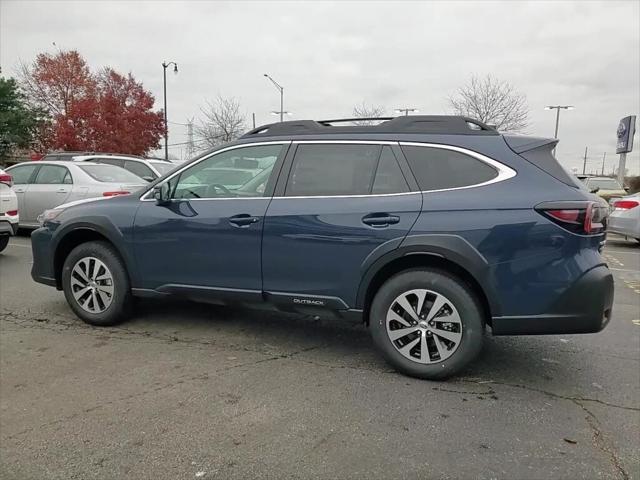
pixel 438 168
pixel 140 169
pixel 325 170
pixel 389 178
pixel 21 174
pixel 53 175
pixel 542 157
pixel 109 161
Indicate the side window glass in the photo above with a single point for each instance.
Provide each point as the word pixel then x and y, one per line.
pixel 241 172
pixel 320 170
pixel 68 179
pixel 389 177
pixel 22 174
pixel 139 169
pixel 109 161
pixel 438 168
pixel 51 175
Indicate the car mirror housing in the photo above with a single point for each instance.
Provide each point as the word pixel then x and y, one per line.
pixel 595 190
pixel 161 193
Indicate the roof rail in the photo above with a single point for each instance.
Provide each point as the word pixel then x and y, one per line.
pixel 439 124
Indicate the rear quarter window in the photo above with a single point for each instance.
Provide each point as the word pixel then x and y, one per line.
pixel 438 168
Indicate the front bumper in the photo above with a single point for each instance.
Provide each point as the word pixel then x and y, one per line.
pixel 584 308
pixel 42 270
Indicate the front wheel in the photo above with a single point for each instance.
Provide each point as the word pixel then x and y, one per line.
pixel 4 241
pixel 96 284
pixel 426 323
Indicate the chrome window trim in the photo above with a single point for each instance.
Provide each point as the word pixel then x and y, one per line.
pixel 504 172
pixel 144 198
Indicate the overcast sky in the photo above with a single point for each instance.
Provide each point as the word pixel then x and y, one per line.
pixel 331 56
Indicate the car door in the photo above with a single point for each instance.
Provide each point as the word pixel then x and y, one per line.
pixel 342 206
pixel 22 176
pixel 51 187
pixel 205 242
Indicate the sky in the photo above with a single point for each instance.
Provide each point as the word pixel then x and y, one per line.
pixel 330 56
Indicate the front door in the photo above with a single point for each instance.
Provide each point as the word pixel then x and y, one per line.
pixel 208 237
pixel 51 187
pixel 22 177
pixel 341 207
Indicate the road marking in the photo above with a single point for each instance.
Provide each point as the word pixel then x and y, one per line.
pixel 624 252
pixel 19 245
pixel 623 270
pixel 636 322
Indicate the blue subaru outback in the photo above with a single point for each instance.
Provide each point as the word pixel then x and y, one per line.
pixel 428 228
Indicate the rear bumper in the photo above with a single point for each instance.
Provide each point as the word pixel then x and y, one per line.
pixel 42 270
pixel 8 228
pixel 584 308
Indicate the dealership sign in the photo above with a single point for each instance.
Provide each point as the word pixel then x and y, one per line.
pixel 626 130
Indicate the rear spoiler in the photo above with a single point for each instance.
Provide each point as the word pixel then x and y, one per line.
pixel 521 144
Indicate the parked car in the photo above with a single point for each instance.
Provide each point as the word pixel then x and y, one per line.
pixel 428 228
pixel 625 218
pixel 43 185
pixel 148 169
pixel 8 209
pixel 605 187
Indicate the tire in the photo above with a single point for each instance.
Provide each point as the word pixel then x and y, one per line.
pixel 4 241
pixel 102 268
pixel 454 300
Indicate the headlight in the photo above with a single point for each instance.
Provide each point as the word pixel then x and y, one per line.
pixel 49 215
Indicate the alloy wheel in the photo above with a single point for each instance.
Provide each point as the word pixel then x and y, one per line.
pixel 424 326
pixel 92 285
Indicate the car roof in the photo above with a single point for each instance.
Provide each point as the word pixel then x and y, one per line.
pixel 82 158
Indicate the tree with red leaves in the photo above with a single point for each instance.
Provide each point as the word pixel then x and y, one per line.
pixel 103 111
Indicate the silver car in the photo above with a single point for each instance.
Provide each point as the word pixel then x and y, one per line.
pixel 43 185
pixel 147 168
pixel 625 217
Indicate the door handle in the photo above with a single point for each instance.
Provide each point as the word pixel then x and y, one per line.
pixel 19 190
pixel 243 220
pixel 62 190
pixel 380 219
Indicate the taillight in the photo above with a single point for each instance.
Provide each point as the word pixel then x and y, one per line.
pixel 12 213
pixel 6 179
pixel 583 218
pixel 116 193
pixel 625 204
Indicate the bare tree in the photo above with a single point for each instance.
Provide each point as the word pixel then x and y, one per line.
pixel 222 122
pixel 493 102
pixel 365 111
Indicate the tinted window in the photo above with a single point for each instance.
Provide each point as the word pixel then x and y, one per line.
pixel 437 168
pixel 140 169
pixel 109 161
pixel 111 174
pixel 332 170
pixel 389 178
pixel 22 173
pixel 604 183
pixel 163 167
pixel 53 175
pixel 219 177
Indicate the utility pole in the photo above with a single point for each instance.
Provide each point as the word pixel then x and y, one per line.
pixel 190 146
pixel 584 164
pixel 604 155
pixel 254 119
pixel 166 125
pixel 557 108
pixel 281 89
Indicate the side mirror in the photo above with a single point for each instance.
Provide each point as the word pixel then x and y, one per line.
pixel 595 190
pixel 148 178
pixel 161 194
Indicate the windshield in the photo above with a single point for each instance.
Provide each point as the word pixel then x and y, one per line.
pixel 163 167
pixel 110 174
pixel 604 183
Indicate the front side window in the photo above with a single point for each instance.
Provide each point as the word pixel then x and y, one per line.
pixel 240 172
pixel 439 168
pixel 22 173
pixel 53 175
pixel 332 169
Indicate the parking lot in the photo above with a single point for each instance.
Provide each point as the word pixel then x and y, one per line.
pixel 196 391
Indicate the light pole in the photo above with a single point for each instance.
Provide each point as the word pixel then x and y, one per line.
pixel 406 110
pixel 281 89
pixel 166 126
pixel 557 108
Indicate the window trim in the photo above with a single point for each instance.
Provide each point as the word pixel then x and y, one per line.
pixel 149 192
pixel 504 172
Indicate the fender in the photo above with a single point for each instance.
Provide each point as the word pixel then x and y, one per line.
pixel 453 248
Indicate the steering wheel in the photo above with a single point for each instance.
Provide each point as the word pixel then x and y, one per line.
pixel 217 187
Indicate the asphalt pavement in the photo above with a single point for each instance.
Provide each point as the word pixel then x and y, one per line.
pixel 187 391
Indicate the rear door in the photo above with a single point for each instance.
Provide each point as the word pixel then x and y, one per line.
pixel 341 206
pixel 51 187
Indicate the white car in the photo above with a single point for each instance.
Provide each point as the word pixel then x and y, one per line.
pixel 625 217
pixel 148 169
pixel 44 185
pixel 8 209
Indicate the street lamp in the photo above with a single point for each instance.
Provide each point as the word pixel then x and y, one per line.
pixel 281 89
pixel 557 108
pixel 274 112
pixel 406 110
pixel 165 65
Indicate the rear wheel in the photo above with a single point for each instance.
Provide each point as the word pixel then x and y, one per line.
pixel 4 241
pixel 426 323
pixel 96 284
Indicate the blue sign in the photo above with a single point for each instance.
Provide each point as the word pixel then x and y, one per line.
pixel 626 130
